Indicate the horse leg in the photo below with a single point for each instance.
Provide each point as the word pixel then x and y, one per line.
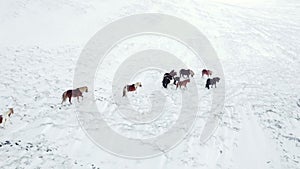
pixel 78 99
pixel 4 120
pixel 8 119
pixel 63 100
pixel 70 99
pixel 81 97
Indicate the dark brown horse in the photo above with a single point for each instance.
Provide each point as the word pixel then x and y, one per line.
pixel 73 93
pixel 206 72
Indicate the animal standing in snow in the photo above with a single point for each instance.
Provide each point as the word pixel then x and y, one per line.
pixel 206 72
pixel 176 79
pixel 212 82
pixel 6 115
pixel 131 88
pixel 73 93
pixel 184 72
pixel 168 77
pixel 182 83
pixel 172 73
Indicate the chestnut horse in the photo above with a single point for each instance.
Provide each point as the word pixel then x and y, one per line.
pixel 131 88
pixel 73 93
pixel 182 83
pixel 6 115
pixel 206 72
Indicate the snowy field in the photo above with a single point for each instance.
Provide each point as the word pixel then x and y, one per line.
pixel 257 43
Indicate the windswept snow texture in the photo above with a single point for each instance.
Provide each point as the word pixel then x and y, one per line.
pixel 257 43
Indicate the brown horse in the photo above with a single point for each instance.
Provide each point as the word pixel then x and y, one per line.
pixel 182 83
pixel 6 115
pixel 73 93
pixel 131 88
pixel 206 72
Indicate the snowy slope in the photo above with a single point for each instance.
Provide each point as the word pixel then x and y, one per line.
pixel 257 43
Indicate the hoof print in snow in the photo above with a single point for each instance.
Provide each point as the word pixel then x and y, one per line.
pixel 298 103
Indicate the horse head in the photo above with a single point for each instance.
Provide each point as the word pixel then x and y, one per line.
pixel 138 84
pixel 84 89
pixel 11 111
pixel 192 73
pixel 173 73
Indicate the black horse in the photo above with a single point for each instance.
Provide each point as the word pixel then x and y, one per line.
pixel 167 79
pixel 207 83
pixel 212 82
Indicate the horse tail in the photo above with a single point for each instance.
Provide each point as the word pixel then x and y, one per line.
pixel 64 97
pixel 124 91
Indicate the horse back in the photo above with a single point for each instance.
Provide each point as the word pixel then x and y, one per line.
pixel 74 93
pixel 131 87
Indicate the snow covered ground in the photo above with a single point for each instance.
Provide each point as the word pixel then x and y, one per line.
pixel 257 43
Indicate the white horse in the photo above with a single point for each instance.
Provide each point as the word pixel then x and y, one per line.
pixel 5 116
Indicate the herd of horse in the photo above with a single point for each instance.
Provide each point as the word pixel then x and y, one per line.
pixel 179 81
pixel 185 74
